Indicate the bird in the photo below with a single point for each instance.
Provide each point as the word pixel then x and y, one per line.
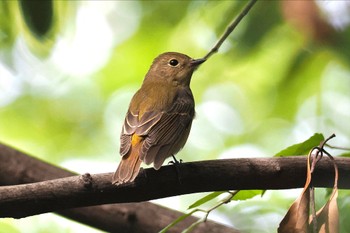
pixel 158 121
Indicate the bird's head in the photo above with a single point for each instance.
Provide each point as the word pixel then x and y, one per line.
pixel 174 68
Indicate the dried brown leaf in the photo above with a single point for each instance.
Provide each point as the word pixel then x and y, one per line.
pixel 297 218
pixel 328 216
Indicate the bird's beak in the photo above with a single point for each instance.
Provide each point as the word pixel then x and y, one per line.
pixel 196 62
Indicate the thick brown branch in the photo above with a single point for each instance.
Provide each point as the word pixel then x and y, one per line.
pixel 18 168
pixel 231 174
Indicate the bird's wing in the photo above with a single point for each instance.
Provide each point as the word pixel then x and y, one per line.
pixel 165 132
pixel 168 135
pixel 132 124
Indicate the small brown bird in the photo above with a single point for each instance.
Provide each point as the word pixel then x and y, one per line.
pixel 160 115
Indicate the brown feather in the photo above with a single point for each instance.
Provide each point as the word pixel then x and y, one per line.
pixel 159 118
pixel 130 165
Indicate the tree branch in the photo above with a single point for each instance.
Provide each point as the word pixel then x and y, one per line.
pixel 230 28
pixel 18 168
pixel 231 174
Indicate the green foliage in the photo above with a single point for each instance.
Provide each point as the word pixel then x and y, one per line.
pixel 236 195
pixel 347 154
pixel 8 227
pixel 205 199
pixel 302 148
pixel 63 98
pixel 240 195
pixel 247 194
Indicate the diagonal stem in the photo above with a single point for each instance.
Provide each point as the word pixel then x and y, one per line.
pixel 230 28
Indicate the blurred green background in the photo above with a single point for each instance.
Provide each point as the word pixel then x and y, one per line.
pixel 68 70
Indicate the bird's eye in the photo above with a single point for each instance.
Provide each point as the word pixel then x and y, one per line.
pixel 173 62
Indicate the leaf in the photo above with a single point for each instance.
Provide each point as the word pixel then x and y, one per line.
pixel 179 219
pixel 328 216
pixel 246 194
pixel 205 199
pixel 302 148
pixel 297 218
pixel 347 154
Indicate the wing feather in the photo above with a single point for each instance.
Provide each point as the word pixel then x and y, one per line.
pixel 165 132
pixel 169 134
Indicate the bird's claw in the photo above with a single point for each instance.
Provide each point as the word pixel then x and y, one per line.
pixel 175 161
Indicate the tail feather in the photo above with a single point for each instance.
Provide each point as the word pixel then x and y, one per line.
pixel 128 168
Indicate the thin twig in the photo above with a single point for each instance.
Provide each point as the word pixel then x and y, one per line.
pixel 230 28
pixel 325 141
pixel 319 152
pixel 335 169
pixel 337 147
pixel 317 157
pixel 207 212
pixel 201 220
pixel 222 202
pixel 313 209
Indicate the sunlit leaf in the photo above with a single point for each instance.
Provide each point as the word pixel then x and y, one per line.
pixel 8 227
pixel 205 199
pixel 302 148
pixel 246 194
pixel 346 154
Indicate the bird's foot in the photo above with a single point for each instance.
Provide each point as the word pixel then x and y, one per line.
pixel 177 164
pixel 175 161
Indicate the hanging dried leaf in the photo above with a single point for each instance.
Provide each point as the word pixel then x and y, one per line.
pixel 328 216
pixel 297 218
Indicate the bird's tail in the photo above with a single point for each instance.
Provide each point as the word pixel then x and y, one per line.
pixel 129 166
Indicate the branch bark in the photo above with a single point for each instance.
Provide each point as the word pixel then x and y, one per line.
pixel 231 174
pixel 19 168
